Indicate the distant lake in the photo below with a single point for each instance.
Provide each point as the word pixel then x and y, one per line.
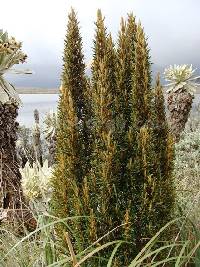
pixel 43 102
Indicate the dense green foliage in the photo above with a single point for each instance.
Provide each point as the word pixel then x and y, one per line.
pixel 45 249
pixel 114 163
pixel 72 138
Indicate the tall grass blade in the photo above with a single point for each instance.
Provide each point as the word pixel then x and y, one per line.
pixel 152 242
pixel 113 254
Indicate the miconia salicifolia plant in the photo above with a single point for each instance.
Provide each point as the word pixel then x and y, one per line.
pixel 114 160
pixel 71 133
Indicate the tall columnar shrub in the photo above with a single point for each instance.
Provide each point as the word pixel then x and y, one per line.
pixel 141 151
pixel 72 138
pixel 141 84
pixel 125 60
pixel 102 175
pixel 124 70
pixel 154 170
pixel 164 154
pixel 99 48
pixel 126 180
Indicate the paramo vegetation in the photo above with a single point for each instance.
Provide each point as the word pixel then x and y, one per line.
pixel 110 179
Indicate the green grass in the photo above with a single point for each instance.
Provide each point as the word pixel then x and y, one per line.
pixel 42 248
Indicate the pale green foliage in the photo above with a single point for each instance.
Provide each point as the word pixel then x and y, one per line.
pixel 36 181
pixel 50 124
pixel 187 168
pixel 180 76
pixel 10 54
pixel 179 73
pixel 10 51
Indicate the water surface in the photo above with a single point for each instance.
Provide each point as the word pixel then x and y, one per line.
pixel 43 102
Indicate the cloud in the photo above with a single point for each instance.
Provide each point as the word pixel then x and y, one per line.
pixel 172 28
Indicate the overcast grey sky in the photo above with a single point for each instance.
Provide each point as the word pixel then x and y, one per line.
pixel 173 28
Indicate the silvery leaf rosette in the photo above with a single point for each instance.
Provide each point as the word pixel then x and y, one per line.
pixel 181 76
pixel 10 54
pixel 36 181
pixel 50 123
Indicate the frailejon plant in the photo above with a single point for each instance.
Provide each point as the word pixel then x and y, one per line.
pixel 125 180
pixel 11 197
pixel 50 123
pixel 37 143
pixel 36 181
pixel 180 95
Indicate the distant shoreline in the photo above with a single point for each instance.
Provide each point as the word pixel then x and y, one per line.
pixel 49 90
pixel 37 90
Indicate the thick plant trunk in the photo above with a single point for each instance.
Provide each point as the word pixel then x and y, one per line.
pixel 12 206
pixel 179 104
pixel 52 150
